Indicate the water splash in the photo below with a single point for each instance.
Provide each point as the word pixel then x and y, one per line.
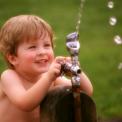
pixel 118 40
pixel 110 4
pixel 113 21
pixel 121 89
pixel 120 66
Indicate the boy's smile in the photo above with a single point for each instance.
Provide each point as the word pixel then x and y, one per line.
pixel 42 62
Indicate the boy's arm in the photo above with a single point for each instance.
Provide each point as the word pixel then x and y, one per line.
pixel 85 86
pixel 28 99
pixel 25 99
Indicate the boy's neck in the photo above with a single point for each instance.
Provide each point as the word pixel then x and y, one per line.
pixel 28 77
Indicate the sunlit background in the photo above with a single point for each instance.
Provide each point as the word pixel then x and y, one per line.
pixel 100 37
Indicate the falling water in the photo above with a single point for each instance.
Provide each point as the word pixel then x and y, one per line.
pixel 79 15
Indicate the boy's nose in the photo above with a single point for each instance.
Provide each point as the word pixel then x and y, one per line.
pixel 41 51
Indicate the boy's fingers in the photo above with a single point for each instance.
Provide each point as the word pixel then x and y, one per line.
pixel 60 59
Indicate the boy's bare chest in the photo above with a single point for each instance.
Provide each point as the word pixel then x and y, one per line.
pixel 10 113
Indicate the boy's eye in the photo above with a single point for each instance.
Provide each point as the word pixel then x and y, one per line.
pixel 47 45
pixel 32 47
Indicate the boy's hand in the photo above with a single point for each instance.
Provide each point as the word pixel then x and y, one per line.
pixel 55 68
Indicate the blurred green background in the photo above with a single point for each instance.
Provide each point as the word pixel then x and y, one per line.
pixel 99 54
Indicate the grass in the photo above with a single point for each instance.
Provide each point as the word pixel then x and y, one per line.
pixel 99 55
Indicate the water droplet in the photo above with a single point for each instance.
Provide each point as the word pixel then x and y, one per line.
pixel 68 90
pixel 120 66
pixel 121 89
pixel 110 4
pixel 118 39
pixel 83 0
pixel 79 22
pixel 112 21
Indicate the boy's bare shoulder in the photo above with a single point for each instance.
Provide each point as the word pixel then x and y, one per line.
pixel 8 73
pixel 5 78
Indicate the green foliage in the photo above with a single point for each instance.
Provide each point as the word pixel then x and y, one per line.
pixel 99 55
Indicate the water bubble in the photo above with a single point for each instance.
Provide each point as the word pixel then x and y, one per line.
pixel 110 4
pixel 118 39
pixel 112 21
pixel 120 66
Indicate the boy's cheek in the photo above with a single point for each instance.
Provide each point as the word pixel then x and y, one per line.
pixel 51 57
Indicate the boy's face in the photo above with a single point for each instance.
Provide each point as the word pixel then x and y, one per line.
pixel 34 56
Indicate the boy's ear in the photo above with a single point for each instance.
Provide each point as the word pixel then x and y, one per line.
pixel 12 59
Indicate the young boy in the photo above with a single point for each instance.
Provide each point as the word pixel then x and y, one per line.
pixel 26 42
